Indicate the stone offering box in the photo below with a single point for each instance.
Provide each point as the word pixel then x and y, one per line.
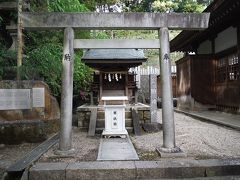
pixel 28 112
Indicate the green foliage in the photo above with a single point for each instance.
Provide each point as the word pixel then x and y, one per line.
pixel 34 39
pixel 46 62
pixel 44 50
pixel 177 6
pixel 66 6
pixel 189 6
pixel 100 34
pixel 82 75
pixel 166 5
pixel 7 59
pixel 90 4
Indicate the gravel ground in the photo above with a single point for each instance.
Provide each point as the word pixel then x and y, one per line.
pixel 86 149
pixel 11 153
pixel 199 140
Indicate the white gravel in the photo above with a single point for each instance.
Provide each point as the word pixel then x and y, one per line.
pixel 196 138
pixel 199 140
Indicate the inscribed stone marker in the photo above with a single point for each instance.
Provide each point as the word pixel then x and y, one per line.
pixel 15 99
pixel 38 97
pixel 153 97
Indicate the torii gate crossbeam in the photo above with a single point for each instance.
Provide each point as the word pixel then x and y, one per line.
pixel 156 21
pixel 193 21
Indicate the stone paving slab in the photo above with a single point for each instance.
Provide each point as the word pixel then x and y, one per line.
pixel 116 149
pixel 216 178
pixel 101 170
pixel 44 171
pixel 170 168
pixel 226 119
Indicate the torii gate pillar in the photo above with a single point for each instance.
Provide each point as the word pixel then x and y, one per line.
pixel 65 141
pixel 167 97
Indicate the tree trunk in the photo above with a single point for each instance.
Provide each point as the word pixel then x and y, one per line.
pixel 20 39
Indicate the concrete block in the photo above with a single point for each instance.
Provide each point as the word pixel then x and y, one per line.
pixel 172 155
pixel 168 169
pixel 43 171
pixel 101 170
pixel 219 167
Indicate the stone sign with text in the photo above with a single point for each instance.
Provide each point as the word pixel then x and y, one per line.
pixel 15 99
pixel 11 99
pixel 153 97
pixel 38 97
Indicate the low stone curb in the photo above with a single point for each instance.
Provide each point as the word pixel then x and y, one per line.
pixel 135 169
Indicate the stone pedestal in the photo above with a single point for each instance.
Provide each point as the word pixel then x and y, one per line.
pixel 114 116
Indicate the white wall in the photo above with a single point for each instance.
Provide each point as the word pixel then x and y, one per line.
pixel 205 48
pixel 226 39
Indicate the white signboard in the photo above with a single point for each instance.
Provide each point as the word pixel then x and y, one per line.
pixel 38 96
pixel 15 99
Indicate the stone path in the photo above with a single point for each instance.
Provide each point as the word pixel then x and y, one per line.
pixel 116 149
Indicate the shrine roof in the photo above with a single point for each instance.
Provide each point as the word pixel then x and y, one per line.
pixel 111 54
pixel 224 13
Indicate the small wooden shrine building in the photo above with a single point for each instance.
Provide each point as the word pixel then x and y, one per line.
pixel 112 79
pixel 111 75
pixel 209 74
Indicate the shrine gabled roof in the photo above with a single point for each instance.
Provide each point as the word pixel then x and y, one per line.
pixel 224 13
pixel 111 54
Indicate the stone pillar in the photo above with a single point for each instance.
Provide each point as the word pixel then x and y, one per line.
pixel 136 96
pixel 167 97
pixel 126 84
pixel 65 142
pixel 91 98
pixel 14 39
pixel 153 97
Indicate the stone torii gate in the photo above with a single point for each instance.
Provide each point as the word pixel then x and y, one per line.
pixel 129 21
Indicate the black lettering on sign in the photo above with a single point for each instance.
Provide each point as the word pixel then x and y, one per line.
pixel 67 57
pixel 166 57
